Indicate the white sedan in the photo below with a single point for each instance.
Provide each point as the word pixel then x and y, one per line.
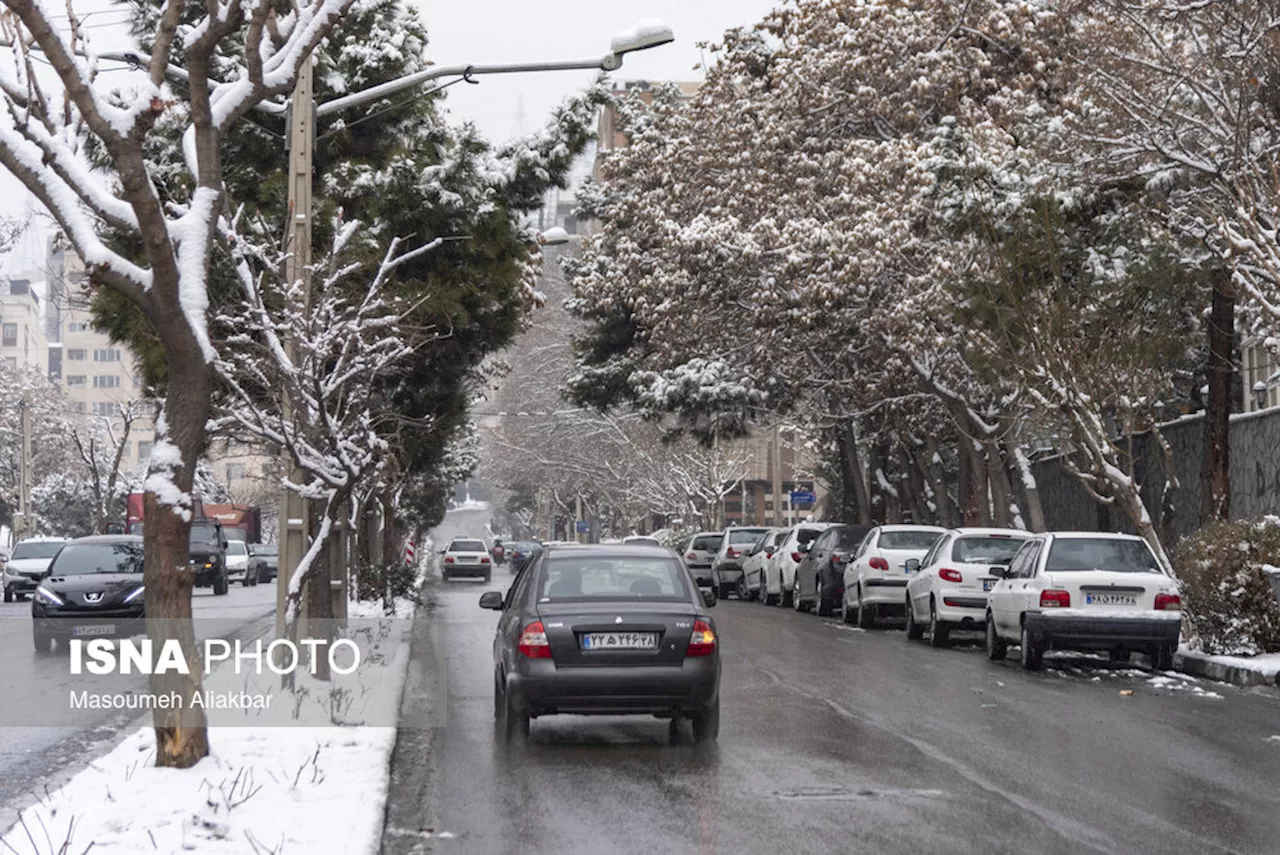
pixel 752 583
pixel 949 590
pixel 780 574
pixel 238 564
pixel 1085 591
pixel 875 579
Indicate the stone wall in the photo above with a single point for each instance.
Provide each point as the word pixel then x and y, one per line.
pixel 1255 478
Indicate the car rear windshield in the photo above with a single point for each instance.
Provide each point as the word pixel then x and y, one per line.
pixel 708 542
pixel 808 535
pixel 986 550
pixel 467 546
pixel 908 539
pixel 612 578
pixel 1086 553
pixel 746 535
pixel 38 549
pixel 83 559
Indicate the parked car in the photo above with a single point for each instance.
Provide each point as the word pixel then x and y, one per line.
pixel 605 630
pixel 464 557
pixel 642 540
pixel 875 579
pixel 820 575
pixel 27 562
pixel 948 590
pixel 238 566
pixel 208 556
pixel 700 552
pixel 265 559
pixel 780 578
pixel 751 585
pixel 1085 591
pixel 726 567
pixel 93 589
pixel 522 552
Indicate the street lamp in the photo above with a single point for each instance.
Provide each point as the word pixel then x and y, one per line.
pixel 554 236
pixel 1260 395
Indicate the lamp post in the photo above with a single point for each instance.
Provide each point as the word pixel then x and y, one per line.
pixel 1259 395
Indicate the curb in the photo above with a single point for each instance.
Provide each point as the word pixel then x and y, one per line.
pixel 1198 666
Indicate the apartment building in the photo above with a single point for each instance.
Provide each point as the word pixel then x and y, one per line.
pixel 22 338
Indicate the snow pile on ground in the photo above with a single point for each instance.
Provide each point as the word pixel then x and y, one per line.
pixel 1268 664
pixel 305 786
pixel 1181 683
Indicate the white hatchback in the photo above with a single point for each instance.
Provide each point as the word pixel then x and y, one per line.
pixel 1085 591
pixel 762 552
pixel 949 589
pixel 780 574
pixel 875 580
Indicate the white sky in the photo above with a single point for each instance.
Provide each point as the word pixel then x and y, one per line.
pixel 499 31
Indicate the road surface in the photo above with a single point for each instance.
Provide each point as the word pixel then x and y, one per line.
pixel 834 739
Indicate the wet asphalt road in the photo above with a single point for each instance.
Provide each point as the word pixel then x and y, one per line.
pixel 834 739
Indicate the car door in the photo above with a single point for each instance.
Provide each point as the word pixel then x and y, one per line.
pixel 511 618
pixel 1027 596
pixel 920 585
pixel 854 568
pixel 1000 601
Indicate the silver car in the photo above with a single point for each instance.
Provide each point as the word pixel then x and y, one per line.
pixel 726 567
pixel 699 553
pixel 27 563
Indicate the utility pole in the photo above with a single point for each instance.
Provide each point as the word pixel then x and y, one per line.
pixel 776 516
pixel 27 526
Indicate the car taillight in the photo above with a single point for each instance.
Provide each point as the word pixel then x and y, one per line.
pixel 879 564
pixel 836 556
pixel 733 553
pixel 950 575
pixel 797 557
pixel 692 556
pixel 1055 599
pixel 1168 602
pixel 703 640
pixel 533 642
pixel 484 560
pixel 448 559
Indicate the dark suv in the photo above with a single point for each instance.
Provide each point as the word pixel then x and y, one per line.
pixel 208 556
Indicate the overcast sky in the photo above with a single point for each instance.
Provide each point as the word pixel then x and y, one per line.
pixel 500 31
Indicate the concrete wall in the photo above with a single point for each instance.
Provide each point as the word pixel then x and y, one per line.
pixel 1255 478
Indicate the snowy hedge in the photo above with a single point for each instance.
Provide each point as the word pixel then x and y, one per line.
pixel 1228 603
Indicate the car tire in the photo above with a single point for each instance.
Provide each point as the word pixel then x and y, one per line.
pixel 221 585
pixel 997 648
pixel 1031 654
pixel 915 631
pixel 1118 654
pixel 488 577
pixel 8 595
pixel 744 592
pixel 244 583
pixel 706 724
pixel 786 599
pixel 866 613
pixel 796 602
pixel 444 574
pixel 847 613
pixel 515 725
pixel 673 731
pixel 43 642
pixel 939 632
pixel 1162 657
pixel 723 590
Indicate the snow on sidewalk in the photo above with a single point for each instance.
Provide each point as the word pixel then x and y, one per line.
pixel 304 787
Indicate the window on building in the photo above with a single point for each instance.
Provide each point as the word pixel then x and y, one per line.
pixel 235 472
pixel 74 327
pixel 76 379
pixel 144 449
pixel 106 381
pixel 9 335
pixel 77 354
pixel 105 408
pixel 106 354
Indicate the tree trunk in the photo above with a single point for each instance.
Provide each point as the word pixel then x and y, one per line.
pixel 913 481
pixel 932 467
pixel 853 474
pixel 1030 490
pixel 390 537
pixel 980 500
pixel 1001 492
pixel 1215 470
pixel 316 591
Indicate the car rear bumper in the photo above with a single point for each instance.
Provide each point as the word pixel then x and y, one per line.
pixel 885 592
pixel 962 608
pixel 475 571
pixel 1078 632
pixel 728 574
pixel 700 572
pixel 543 689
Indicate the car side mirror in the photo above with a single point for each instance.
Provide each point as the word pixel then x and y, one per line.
pixel 913 565
pixel 1000 572
pixel 805 547
pixel 769 552
pixel 708 598
pixel 491 600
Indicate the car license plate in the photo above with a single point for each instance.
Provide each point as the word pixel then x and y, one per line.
pixel 619 640
pixel 94 629
pixel 1111 599
pixel 988 584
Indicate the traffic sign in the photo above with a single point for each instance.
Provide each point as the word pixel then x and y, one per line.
pixel 584 526
pixel 803 497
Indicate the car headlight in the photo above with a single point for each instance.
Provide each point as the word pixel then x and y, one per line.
pixel 135 595
pixel 48 597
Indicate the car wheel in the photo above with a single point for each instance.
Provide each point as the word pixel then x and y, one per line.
pixel 444 574
pixel 244 583
pixel 997 649
pixel 221 585
pixel 488 576
pixel 1162 657
pixel 515 725
pixel 497 698
pixel 799 604
pixel 706 724
pixel 866 613
pixel 1031 654
pixel 743 591
pixel 723 590
pixel 939 632
pixel 915 631
pixel 43 642
pixel 1118 654
pixel 8 595
pixel 786 598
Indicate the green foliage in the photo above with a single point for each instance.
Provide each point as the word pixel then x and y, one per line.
pixel 387 582
pixel 1227 601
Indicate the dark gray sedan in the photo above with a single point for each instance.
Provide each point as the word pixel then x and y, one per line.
pixel 606 630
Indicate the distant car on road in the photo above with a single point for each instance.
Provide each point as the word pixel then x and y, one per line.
pixel 605 630
pixel 208 556
pixel 238 565
pixel 699 552
pixel 949 588
pixel 726 567
pixel 522 552
pixel 820 575
pixel 265 559
pixel 780 576
pixel 464 557
pixel 642 540
pixel 751 585
pixel 1085 591
pixel 875 579
pixel 93 590
pixel 27 563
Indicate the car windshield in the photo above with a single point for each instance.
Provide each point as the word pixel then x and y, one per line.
pixel 82 559
pixel 236 547
pixel 986 550
pixel 908 539
pixel 746 535
pixel 467 546
pixel 572 577
pixel 204 534
pixel 36 549
pixel 1072 554
pixel 708 542
pixel 273 549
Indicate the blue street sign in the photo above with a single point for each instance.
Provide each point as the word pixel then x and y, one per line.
pixel 584 526
pixel 803 498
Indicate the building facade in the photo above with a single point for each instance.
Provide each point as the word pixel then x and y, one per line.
pixel 23 343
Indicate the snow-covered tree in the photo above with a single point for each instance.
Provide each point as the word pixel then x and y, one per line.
pixel 100 443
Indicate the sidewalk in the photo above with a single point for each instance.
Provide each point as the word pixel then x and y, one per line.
pixel 1240 670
